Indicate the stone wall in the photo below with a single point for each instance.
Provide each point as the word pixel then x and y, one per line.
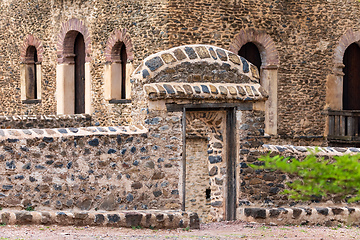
pixel 306 42
pixel 305 34
pixel 144 20
pixel 104 168
pixel 261 188
pixel 197 178
pixel 44 121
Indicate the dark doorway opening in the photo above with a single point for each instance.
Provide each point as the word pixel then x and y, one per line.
pixel 351 87
pixel 123 56
pixel 251 53
pixel 79 51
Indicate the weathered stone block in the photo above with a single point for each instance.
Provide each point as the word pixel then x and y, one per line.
pixel 168 58
pixel 154 63
pixel 202 52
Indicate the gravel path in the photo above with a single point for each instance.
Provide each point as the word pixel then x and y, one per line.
pixel 224 230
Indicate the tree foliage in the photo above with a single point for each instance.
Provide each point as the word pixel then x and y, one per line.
pixel 317 176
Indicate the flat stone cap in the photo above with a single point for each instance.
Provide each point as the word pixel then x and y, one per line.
pixel 205 91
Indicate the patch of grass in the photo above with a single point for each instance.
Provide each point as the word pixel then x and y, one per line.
pixel 348 226
pixel 264 227
pixel 2 224
pixel 42 229
pixel 30 208
pixel 136 227
pixel 186 229
pixel 304 231
pixel 284 228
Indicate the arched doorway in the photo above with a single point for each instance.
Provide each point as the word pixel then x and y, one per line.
pixel 123 58
pixel 351 80
pixel 79 61
pixel 251 53
pixel 73 77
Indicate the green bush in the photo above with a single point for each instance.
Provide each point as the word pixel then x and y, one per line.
pixel 317 176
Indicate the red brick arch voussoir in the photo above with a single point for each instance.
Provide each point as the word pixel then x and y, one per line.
pixel 66 38
pixel 31 40
pixel 267 47
pixel 119 36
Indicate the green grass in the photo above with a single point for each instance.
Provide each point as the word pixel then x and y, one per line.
pixel 283 228
pixel 30 208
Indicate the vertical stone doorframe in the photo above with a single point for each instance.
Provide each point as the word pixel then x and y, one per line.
pixel 229 186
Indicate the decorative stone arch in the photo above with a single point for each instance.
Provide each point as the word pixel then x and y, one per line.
pixel 198 54
pixel 65 72
pixel 31 40
pixel 66 38
pixel 117 75
pixel 31 56
pixel 269 70
pixel 335 82
pixel 121 36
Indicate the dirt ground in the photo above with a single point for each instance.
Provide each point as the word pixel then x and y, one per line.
pixel 224 230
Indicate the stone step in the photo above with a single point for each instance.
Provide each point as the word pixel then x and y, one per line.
pixel 146 219
pixel 328 216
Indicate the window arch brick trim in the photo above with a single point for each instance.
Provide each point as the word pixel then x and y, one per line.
pixel 66 38
pixel 119 36
pixel 262 40
pixel 344 42
pixel 30 40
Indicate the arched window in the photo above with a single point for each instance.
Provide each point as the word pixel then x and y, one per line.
pixel 251 53
pixel 30 74
pixel 351 80
pixel 31 55
pixel 117 87
pixel 259 49
pixel 119 67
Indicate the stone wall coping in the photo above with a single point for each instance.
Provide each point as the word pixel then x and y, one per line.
pixel 165 219
pixel 43 117
pixel 329 216
pixel 154 64
pixel 62 132
pixel 242 92
pixel 335 151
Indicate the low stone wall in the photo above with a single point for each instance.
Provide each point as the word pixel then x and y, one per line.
pixel 328 216
pixel 261 188
pixel 44 121
pixel 92 168
pixel 145 219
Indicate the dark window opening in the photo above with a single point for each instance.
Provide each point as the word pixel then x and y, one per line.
pixel 208 194
pixel 31 78
pixel 118 54
pixel 251 53
pixel 351 83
